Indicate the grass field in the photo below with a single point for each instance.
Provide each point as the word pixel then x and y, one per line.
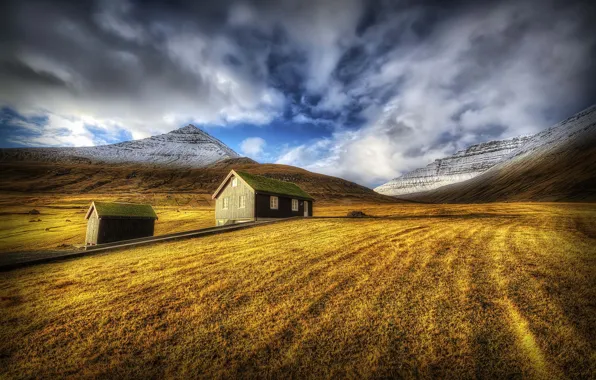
pixel 500 290
pixel 61 223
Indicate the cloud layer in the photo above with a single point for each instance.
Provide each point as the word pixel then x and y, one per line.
pixel 478 75
pixel 389 85
pixel 253 147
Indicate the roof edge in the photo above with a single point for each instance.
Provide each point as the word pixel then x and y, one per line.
pixel 91 209
pixel 220 188
pixel 225 180
pixel 308 196
pixel 284 195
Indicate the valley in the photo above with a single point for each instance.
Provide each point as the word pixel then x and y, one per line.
pixel 466 280
pixel 298 190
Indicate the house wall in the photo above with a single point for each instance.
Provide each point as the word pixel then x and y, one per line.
pixel 92 228
pixel 234 212
pixel 284 209
pixel 111 230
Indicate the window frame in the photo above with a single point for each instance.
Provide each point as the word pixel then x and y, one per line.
pixel 297 203
pixel 235 182
pixel 273 201
pixel 242 201
pixel 225 203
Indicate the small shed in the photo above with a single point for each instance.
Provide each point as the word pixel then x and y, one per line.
pixel 109 222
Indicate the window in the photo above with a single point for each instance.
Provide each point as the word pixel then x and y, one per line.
pixel 242 201
pixel 234 182
pixel 294 204
pixel 226 203
pixel 273 202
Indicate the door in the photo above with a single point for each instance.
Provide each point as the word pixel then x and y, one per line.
pixel 305 208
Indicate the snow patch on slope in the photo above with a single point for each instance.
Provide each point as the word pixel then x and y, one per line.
pixel 567 130
pixel 185 147
pixel 477 159
pixel 458 167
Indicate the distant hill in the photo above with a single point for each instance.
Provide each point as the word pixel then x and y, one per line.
pixel 558 164
pixel 43 177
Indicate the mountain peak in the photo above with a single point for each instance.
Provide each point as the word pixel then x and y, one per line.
pixel 189 129
pixel 188 146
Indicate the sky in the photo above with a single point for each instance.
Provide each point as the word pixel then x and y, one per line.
pixel 363 90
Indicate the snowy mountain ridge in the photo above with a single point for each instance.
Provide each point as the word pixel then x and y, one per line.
pixel 461 166
pixel 556 164
pixel 188 146
pixel 479 158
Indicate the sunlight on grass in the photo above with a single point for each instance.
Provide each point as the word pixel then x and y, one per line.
pixel 61 223
pixel 528 342
pixel 438 291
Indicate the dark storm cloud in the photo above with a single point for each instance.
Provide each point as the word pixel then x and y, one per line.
pixel 26 74
pixel 399 82
pixel 113 57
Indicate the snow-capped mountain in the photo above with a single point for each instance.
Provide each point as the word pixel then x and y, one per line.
pixel 581 126
pixel 458 167
pixel 557 164
pixel 185 147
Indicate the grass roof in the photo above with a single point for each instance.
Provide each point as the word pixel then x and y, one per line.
pixel 270 185
pixel 124 210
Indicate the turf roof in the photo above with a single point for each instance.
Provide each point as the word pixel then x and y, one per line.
pixel 124 210
pixel 270 185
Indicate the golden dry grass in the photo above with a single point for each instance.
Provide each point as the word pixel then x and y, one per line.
pixel 62 223
pixel 502 290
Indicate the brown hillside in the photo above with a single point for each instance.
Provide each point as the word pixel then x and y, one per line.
pixel 39 177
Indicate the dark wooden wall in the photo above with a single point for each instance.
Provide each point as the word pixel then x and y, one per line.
pixel 284 209
pixel 111 230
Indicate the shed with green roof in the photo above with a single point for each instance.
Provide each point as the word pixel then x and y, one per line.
pixel 108 222
pixel 245 197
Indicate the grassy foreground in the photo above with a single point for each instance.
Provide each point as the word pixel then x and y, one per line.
pixel 469 291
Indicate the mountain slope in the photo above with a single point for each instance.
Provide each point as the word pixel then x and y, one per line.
pixel 459 167
pixel 43 177
pixel 185 147
pixel 558 164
